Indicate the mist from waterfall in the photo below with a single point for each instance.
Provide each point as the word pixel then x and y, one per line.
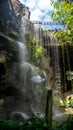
pixel 31 84
pixel 49 41
pixel 33 91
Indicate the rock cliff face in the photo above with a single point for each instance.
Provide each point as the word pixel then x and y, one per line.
pixel 20 10
pixel 9 30
pixel 9 33
pixel 12 98
pixel 11 14
pixel 8 23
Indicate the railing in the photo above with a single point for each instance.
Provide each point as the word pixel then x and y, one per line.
pixel 45 23
pixel 23 23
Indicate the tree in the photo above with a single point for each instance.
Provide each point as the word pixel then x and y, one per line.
pixel 63 14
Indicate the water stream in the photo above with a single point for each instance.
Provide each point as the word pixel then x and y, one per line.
pixel 32 86
pixel 56 62
pixel 31 78
pixel 26 92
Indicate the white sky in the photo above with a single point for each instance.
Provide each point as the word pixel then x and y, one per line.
pixel 40 11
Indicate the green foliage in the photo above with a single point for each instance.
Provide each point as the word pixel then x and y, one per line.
pixel 66 125
pixel 64 37
pixel 35 51
pixel 38 123
pixel 35 122
pixel 68 102
pixel 9 125
pixel 69 75
pixel 38 54
pixel 63 13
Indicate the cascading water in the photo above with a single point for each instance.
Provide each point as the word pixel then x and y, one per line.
pixel 24 91
pixel 32 86
pixel 57 69
pixel 57 84
pixel 56 63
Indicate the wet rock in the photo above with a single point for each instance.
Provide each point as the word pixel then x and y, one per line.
pixel 2 59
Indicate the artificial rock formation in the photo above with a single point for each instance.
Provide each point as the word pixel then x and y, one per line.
pixel 9 32
pixel 15 88
pixel 21 10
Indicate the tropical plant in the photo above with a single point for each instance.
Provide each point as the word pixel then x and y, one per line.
pixel 35 51
pixel 35 122
pixel 63 14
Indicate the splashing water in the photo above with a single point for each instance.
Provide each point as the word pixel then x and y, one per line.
pixel 17 115
pixel 32 85
pixel 37 79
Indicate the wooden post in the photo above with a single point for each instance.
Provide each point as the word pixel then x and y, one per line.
pixel 49 106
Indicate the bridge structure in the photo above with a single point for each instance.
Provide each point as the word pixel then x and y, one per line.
pixel 23 23
pixel 45 23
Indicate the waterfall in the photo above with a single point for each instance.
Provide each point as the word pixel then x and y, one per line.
pixel 57 69
pixel 32 91
pixel 56 62
pixel 57 75
pixel 23 85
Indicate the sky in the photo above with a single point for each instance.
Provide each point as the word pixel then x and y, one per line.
pixel 40 11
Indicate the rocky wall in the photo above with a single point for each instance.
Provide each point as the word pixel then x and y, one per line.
pixel 9 33
pixel 65 62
